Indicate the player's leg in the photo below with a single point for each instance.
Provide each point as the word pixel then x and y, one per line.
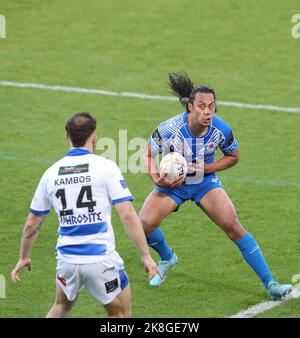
pixel 155 209
pixel 68 286
pixel 218 206
pixel 107 282
pixel 120 307
pixel 61 306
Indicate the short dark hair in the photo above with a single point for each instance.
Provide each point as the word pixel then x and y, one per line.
pixel 182 87
pixel 80 127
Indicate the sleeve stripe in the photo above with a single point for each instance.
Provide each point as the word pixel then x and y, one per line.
pixel 232 148
pixel 154 146
pixel 39 212
pixel 119 200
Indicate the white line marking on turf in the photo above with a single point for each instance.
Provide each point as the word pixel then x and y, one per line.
pixel 141 96
pixel 267 305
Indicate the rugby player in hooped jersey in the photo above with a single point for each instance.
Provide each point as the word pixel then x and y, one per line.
pixel 82 187
pixel 197 133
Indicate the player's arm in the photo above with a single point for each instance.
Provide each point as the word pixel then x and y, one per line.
pixel 30 233
pixel 230 149
pixel 135 231
pixel 149 160
pixel 39 208
pixel 223 163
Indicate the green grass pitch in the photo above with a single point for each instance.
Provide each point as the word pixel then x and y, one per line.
pixel 243 49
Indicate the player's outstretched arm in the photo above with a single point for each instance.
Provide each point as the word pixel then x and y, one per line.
pixel 135 231
pixel 29 236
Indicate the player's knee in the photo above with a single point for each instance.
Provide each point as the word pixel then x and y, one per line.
pixel 233 228
pixel 149 225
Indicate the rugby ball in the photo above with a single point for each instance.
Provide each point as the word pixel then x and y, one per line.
pixel 174 164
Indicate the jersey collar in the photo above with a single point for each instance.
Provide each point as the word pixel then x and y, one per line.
pixel 78 152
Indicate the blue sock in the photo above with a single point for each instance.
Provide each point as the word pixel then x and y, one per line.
pixel 254 257
pixel 156 240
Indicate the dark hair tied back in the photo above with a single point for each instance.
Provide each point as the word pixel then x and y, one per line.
pixel 182 87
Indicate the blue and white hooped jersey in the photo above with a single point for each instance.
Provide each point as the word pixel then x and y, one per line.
pixel 81 187
pixel 174 135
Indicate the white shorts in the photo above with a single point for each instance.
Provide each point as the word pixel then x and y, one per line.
pixel 104 279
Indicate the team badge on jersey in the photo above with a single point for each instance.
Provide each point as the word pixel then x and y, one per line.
pixel 210 148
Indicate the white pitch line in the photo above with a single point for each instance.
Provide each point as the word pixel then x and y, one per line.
pixel 267 305
pixel 141 96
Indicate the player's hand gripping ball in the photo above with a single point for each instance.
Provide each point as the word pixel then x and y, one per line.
pixel 174 164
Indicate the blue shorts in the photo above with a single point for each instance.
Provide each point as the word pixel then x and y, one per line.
pixel 193 192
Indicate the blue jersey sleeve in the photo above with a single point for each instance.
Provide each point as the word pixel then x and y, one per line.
pixel 155 141
pixel 229 144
